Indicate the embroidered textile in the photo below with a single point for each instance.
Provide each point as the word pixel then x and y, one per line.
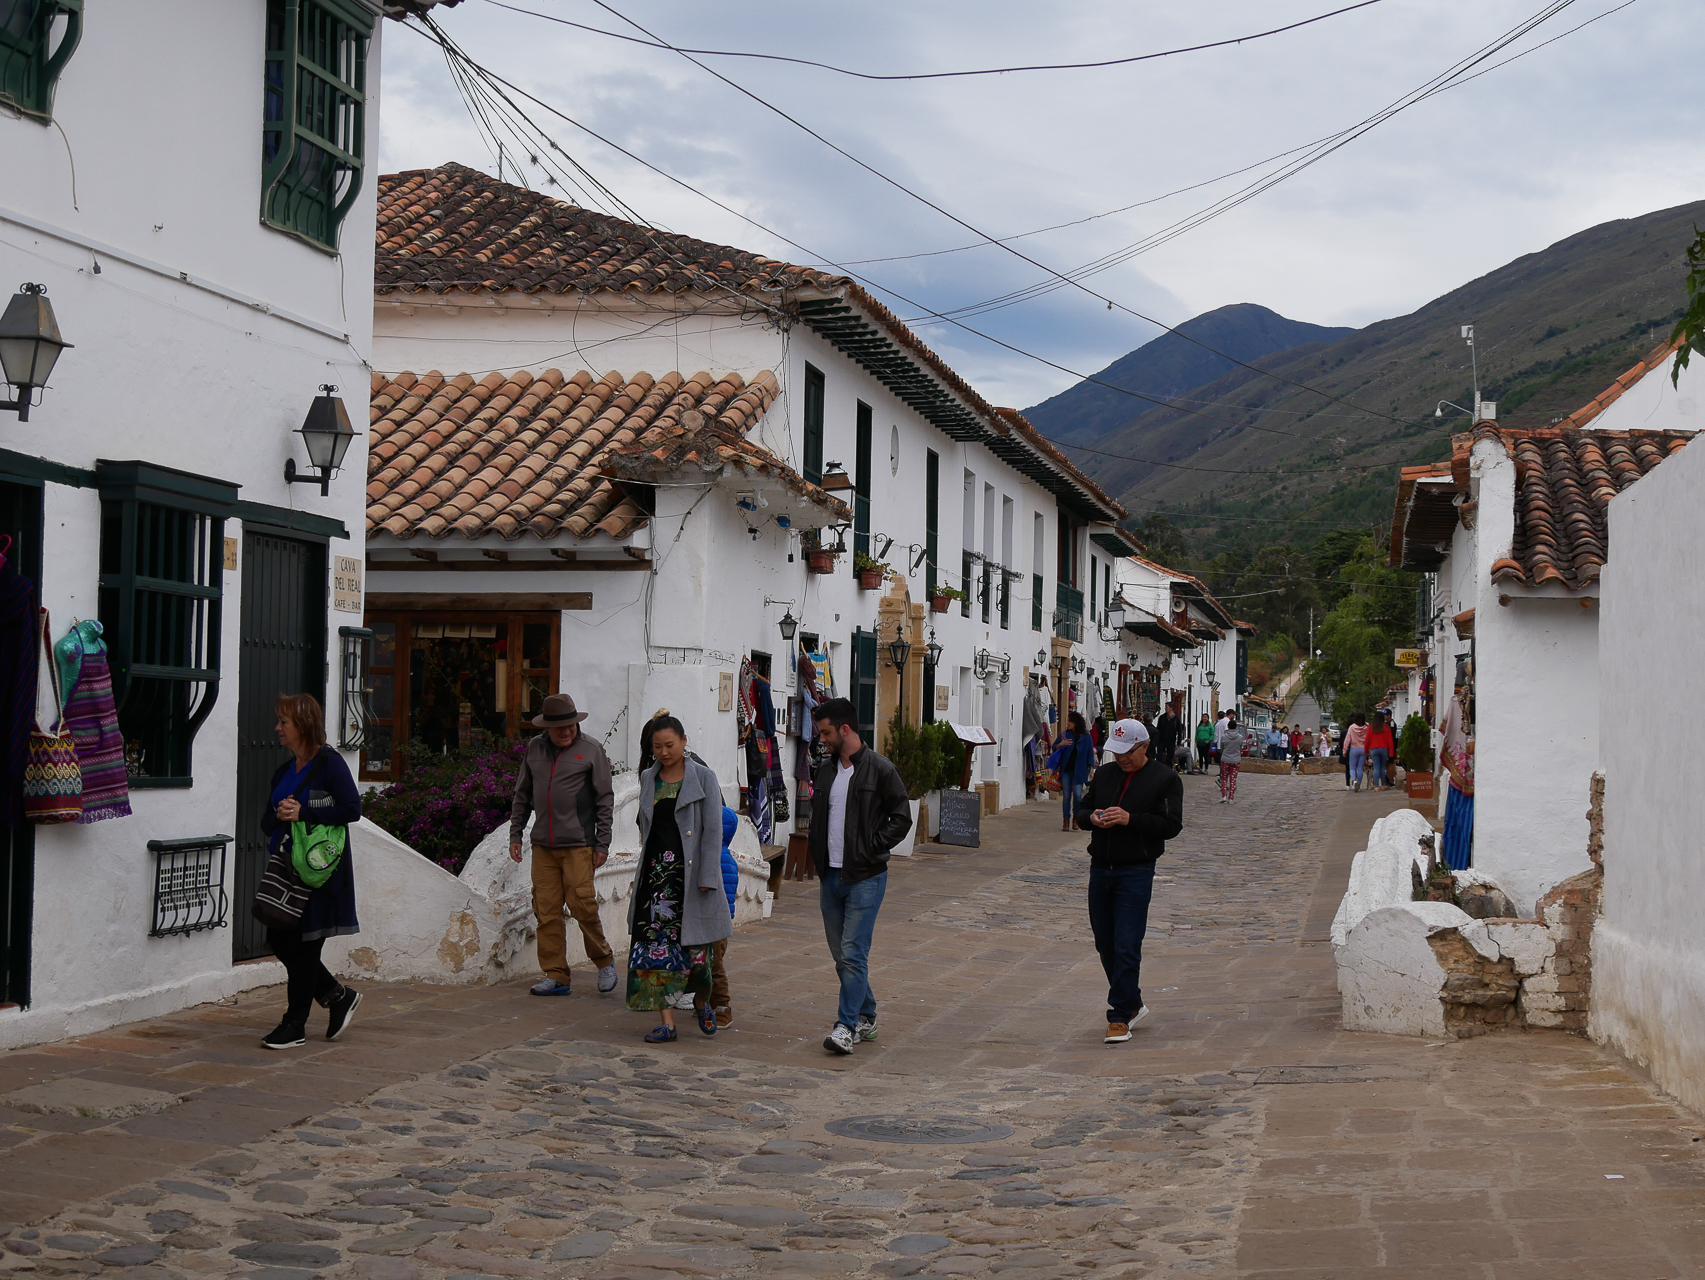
pixel 659 967
pixel 93 722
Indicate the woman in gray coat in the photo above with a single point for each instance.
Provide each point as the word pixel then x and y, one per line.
pixel 677 908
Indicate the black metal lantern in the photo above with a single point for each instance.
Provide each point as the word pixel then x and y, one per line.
pixel 789 625
pixel 899 648
pixel 932 651
pixel 327 434
pixel 29 345
pixel 1116 615
pixel 835 479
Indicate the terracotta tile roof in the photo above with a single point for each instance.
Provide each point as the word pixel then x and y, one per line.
pixel 1425 516
pixel 454 229
pixel 520 453
pixel 1154 627
pixel 1656 359
pixel 1565 479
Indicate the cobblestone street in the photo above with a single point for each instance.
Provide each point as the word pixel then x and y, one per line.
pixel 477 1132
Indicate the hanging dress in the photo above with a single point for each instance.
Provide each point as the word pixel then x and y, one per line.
pixel 659 967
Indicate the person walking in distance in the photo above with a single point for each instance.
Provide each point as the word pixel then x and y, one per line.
pixel 1133 805
pixel 565 784
pixel 1074 761
pixel 1167 732
pixel 1356 748
pixel 1382 745
pixel 861 812
pixel 1204 744
pixel 1231 757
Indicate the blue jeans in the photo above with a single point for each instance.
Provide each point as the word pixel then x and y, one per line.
pixel 1358 762
pixel 849 919
pixel 1070 794
pixel 1376 765
pixel 1119 917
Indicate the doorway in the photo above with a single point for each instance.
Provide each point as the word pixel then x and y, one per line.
pixel 445 681
pixel 281 649
pixel 20 520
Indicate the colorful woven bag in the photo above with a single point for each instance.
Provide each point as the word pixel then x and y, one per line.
pixel 53 779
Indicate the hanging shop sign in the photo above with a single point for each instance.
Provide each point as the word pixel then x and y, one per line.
pixel 346 584
pixel 1410 657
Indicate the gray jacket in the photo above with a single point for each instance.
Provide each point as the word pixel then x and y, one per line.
pixel 1231 746
pixel 698 814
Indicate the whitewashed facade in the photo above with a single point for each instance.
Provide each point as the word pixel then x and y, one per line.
pixel 202 333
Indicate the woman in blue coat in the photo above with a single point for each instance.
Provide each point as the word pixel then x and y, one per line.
pixel 677 909
pixel 313 786
pixel 1074 761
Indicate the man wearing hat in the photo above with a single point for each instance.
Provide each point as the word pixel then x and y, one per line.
pixel 1133 805
pixel 565 783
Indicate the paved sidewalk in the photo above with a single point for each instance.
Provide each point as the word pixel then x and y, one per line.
pixel 470 1132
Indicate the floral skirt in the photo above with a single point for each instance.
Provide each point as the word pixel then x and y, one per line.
pixel 659 967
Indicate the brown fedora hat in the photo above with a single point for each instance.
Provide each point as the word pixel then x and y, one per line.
pixel 558 710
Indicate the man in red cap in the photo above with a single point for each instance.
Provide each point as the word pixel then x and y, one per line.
pixel 565 785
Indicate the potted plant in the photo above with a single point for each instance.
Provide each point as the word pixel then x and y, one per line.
pixel 916 756
pixel 1415 754
pixel 818 558
pixel 869 570
pixel 942 596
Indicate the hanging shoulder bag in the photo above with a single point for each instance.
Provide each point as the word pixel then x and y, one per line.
pixel 53 778
pixel 316 851
pixel 282 897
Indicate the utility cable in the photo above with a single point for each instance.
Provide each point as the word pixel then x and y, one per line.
pixel 656 43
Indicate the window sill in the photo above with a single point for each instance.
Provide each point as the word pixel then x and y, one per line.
pixel 161 784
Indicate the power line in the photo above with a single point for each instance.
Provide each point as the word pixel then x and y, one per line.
pixel 1205 515
pixel 926 201
pixel 655 43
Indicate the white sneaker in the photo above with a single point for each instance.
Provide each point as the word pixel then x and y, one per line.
pixel 840 1040
pixel 607 979
pixel 867 1028
pixel 1138 1016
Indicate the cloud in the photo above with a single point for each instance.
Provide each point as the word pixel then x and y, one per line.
pixel 1599 125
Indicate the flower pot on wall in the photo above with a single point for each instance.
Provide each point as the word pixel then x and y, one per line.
pixel 869 579
pixel 938 604
pixel 820 561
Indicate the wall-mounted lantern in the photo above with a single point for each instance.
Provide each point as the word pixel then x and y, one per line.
pixel 789 624
pixel 835 479
pixel 932 651
pixel 1041 657
pixel 29 345
pixel 327 434
pixel 899 648
pixel 1006 667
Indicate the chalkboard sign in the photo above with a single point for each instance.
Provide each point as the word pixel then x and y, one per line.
pixel 961 818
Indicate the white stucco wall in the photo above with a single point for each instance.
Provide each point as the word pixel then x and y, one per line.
pixel 1649 944
pixel 1536 699
pixel 1653 404
pixel 171 366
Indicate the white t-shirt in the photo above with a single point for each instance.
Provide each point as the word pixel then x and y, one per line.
pixel 1219 730
pixel 838 813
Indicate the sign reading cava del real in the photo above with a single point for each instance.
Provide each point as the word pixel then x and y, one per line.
pixel 346 584
pixel 1410 657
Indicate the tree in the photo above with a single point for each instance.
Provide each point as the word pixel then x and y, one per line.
pixel 1163 541
pixel 1690 332
pixel 1374 616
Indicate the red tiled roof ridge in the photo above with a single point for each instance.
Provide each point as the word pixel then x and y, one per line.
pixel 1653 361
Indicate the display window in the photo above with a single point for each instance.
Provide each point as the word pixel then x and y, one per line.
pixel 440 682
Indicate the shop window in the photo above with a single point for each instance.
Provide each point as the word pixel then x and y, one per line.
pixel 37 39
pixel 313 131
pixel 160 603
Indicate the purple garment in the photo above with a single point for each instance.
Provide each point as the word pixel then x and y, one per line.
pixel 92 721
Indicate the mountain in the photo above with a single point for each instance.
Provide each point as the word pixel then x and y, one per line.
pixel 1262 456
pixel 1170 365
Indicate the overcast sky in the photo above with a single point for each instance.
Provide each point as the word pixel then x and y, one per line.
pixel 1605 123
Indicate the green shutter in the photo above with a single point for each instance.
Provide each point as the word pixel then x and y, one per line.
pixel 30 58
pixel 313 131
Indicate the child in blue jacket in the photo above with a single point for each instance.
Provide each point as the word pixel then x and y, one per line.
pixel 719 950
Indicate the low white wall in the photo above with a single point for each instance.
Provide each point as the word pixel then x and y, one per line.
pixel 478 927
pixel 1649 944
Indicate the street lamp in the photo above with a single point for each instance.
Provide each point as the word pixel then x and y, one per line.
pixel 788 624
pixel 1041 657
pixel 29 345
pixel 327 434
pixel 932 651
pixel 899 649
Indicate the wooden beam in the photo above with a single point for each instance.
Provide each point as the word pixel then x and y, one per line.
pixel 484 602
pixel 505 566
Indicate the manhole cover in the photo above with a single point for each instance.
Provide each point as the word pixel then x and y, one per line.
pixel 918 1129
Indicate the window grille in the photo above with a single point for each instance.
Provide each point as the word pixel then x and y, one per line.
pixel 162 567
pixel 965 584
pixel 37 39
pixel 356 729
pixel 314 129
pixel 813 414
pixel 189 885
pixel 1035 602
pixel 987 590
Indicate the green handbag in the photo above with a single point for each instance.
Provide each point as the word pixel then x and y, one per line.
pixel 316 851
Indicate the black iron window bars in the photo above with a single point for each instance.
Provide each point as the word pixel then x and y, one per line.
pixel 189 885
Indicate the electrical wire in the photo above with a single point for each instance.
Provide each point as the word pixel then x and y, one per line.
pixel 941 75
pixel 1550 10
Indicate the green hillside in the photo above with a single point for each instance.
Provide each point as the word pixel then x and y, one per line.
pixel 1276 462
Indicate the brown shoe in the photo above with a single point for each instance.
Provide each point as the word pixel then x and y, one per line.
pixel 724 1016
pixel 1117 1033
pixel 1065 824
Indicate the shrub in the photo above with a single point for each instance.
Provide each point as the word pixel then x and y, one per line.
pixel 1415 745
pixel 916 753
pixel 444 805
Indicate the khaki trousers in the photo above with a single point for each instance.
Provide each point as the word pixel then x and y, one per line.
pixel 718 977
pixel 563 876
